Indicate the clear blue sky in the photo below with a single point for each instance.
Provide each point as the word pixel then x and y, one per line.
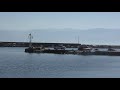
pixel 58 20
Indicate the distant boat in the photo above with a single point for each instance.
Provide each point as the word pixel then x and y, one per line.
pixel 59 47
pixel 84 47
pixel 110 49
pixel 96 49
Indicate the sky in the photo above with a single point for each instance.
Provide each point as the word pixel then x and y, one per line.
pixel 71 25
pixel 58 20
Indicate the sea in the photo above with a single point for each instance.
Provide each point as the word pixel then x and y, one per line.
pixel 15 63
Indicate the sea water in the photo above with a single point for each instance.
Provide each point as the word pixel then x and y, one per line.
pixel 15 63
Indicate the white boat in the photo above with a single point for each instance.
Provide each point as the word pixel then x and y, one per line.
pixel 59 47
pixel 82 48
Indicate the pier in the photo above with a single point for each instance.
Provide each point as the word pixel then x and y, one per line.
pixel 37 44
pixel 62 48
pixel 76 52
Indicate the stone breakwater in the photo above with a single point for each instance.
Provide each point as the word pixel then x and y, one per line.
pixel 37 44
pixel 74 52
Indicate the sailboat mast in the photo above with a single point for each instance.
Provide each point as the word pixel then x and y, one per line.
pixel 78 39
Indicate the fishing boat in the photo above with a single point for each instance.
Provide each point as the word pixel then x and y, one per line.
pixel 110 49
pixel 84 48
pixel 60 47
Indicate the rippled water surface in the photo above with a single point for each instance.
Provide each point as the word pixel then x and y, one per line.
pixel 14 62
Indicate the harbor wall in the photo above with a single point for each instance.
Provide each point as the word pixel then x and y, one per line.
pixel 35 44
pixel 26 44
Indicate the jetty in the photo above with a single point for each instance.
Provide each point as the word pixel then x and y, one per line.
pixel 74 52
pixel 61 49
pixel 80 50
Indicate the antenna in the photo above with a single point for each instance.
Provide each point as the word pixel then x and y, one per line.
pixel 30 42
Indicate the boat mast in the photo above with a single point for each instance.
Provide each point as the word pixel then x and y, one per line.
pixel 78 39
pixel 30 42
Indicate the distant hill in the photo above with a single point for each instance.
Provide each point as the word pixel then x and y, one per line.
pixel 91 36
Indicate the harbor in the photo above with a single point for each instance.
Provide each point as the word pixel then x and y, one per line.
pixel 74 52
pixel 80 50
pixel 59 45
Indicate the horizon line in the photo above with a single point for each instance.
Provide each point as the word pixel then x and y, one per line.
pixel 55 29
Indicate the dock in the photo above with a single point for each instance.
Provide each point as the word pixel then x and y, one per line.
pixel 62 49
pixel 75 52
